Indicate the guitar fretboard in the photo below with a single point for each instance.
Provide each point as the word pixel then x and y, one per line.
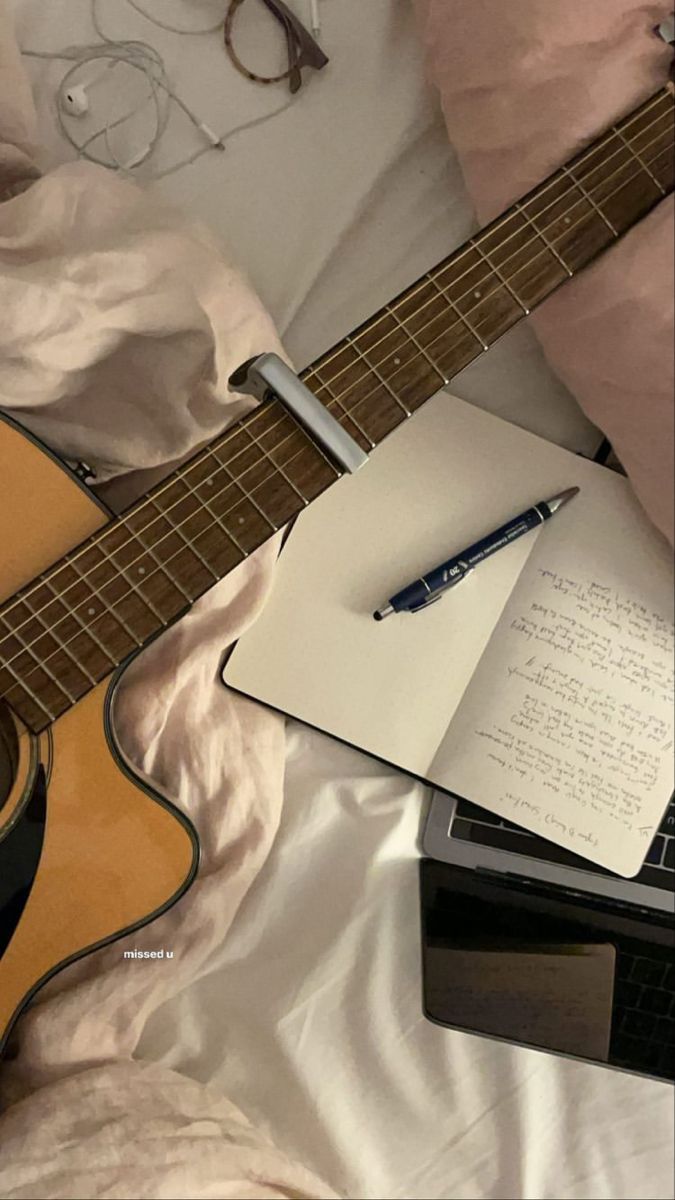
pixel 69 629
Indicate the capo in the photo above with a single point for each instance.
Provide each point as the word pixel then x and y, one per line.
pixel 267 375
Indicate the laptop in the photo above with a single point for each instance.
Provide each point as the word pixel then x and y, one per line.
pixel 525 942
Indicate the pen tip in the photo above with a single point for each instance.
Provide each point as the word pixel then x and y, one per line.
pixel 557 502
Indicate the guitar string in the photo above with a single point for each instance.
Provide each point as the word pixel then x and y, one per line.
pixel 576 187
pixel 182 472
pixel 434 275
pixel 63 645
pixel 236 479
pixel 348 413
pixel 231 481
pixel 443 292
pixel 219 517
pixel 668 110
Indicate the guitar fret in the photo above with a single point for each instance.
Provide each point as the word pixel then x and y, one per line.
pixel 345 411
pixel 161 566
pixel 110 612
pixel 639 159
pixel 185 512
pixel 110 579
pixel 37 645
pixel 276 466
pixel 20 683
pixel 544 239
pixel 219 522
pixel 61 644
pixel 372 411
pixel 465 320
pixel 656 148
pixel 34 651
pixel 33 697
pixel 267 491
pixel 413 339
pixel 86 629
pixel 587 195
pixel 39 665
pixel 185 539
pixel 245 493
pixel 294 450
pixel 138 589
pixel 496 271
pixel 381 378
pixel 72 562
pixel 388 345
pixel 620 192
pixel 664 97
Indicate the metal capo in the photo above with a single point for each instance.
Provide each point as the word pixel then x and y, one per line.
pixel 267 375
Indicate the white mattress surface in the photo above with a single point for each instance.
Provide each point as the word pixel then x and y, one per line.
pixel 310 1015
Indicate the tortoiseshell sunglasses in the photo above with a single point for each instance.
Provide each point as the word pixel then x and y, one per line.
pixel 303 50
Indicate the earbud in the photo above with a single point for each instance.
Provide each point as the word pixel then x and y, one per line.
pixel 74 100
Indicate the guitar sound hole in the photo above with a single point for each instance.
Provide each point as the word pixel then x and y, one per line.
pixel 9 753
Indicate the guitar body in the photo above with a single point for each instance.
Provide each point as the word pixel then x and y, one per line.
pixel 87 851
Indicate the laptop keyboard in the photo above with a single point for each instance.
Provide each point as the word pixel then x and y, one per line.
pixel 643 1030
pixel 474 824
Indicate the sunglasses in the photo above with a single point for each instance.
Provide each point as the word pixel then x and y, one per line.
pixel 303 50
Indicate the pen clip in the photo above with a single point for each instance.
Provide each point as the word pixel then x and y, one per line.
pixel 425 603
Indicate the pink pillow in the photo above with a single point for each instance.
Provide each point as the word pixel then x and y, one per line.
pixel 524 85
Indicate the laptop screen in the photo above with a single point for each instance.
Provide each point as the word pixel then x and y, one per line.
pixel 512 959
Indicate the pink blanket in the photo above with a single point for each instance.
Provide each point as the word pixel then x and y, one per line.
pixel 90 266
pixel 524 85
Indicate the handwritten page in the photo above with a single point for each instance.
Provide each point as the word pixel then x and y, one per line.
pixel 567 725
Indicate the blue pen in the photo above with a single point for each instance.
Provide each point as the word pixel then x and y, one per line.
pixel 431 587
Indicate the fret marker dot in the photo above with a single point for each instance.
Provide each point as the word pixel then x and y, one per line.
pixel 567 220
pixel 141 570
pixel 91 612
pixel 209 483
pixel 241 520
pixel 397 362
pixel 477 295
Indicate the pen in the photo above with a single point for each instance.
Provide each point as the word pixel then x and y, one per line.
pixel 315 19
pixel 431 587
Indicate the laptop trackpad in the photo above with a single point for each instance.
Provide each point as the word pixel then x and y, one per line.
pixel 556 996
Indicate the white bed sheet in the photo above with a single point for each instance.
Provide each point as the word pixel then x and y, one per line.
pixel 310 1015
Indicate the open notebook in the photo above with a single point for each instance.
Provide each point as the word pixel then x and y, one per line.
pixel 540 687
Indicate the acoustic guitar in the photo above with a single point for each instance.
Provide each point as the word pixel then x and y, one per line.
pixel 88 850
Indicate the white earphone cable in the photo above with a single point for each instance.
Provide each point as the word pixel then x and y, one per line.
pixel 174 28
pixel 146 59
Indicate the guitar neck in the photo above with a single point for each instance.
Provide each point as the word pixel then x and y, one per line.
pixel 68 630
